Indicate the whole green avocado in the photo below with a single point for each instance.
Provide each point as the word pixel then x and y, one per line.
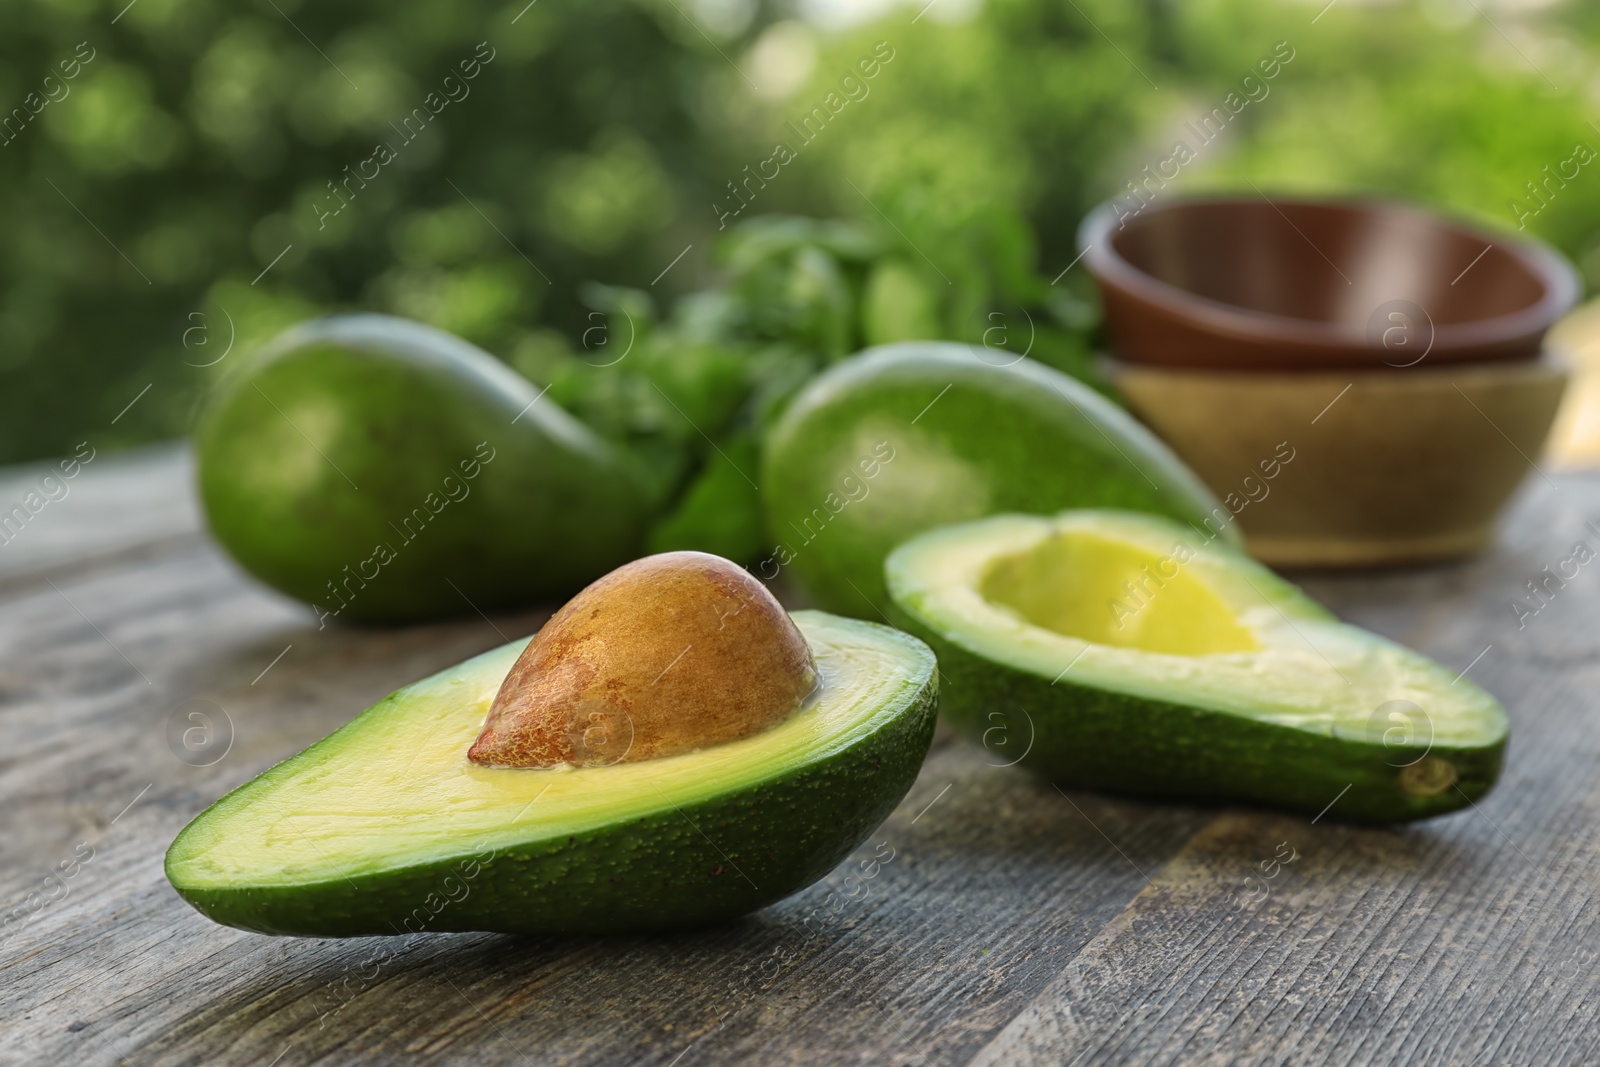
pixel 385 471
pixel 906 437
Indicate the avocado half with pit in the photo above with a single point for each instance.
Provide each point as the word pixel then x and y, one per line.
pixel 672 749
pixel 1125 652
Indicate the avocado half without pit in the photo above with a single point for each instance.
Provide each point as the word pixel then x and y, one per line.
pixel 1120 651
pixel 672 749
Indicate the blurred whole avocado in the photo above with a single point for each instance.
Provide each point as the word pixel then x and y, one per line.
pixel 385 471
pixel 911 436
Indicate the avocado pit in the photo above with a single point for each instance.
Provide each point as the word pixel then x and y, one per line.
pixel 667 654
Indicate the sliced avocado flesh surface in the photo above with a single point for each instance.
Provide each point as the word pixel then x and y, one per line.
pixel 1066 581
pixel 351 836
pixel 1148 660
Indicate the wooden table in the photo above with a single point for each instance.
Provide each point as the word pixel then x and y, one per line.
pixel 1015 924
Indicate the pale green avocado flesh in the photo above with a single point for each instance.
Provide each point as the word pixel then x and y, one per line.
pixel 385 827
pixel 1128 652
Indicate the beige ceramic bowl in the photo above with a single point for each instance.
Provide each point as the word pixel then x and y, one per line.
pixel 1356 468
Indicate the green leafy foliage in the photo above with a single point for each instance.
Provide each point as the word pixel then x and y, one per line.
pixel 213 173
pixel 1439 108
pixel 691 395
pixel 216 171
pixel 1050 109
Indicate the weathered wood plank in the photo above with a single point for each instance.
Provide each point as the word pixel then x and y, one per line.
pixel 1012 925
pixel 1466 939
pixel 943 926
pixel 107 508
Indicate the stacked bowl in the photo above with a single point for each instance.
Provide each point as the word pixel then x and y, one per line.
pixel 1362 382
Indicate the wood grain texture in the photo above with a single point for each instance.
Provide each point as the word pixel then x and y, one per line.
pixel 107 509
pixel 1014 924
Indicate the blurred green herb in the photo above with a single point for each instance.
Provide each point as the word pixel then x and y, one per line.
pixel 690 396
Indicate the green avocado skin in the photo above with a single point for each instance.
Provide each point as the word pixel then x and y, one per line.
pixel 906 437
pixel 1094 739
pixel 684 867
pixel 384 471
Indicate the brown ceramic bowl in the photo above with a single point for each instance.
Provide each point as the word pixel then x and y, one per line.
pixel 1355 468
pixel 1281 284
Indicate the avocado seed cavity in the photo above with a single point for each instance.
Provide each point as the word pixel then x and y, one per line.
pixel 664 655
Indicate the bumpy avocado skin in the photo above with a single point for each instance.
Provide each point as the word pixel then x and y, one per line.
pixel 684 867
pixel 910 436
pixel 335 468
pixel 1094 739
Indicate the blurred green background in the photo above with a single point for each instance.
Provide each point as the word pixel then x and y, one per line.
pixel 173 200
